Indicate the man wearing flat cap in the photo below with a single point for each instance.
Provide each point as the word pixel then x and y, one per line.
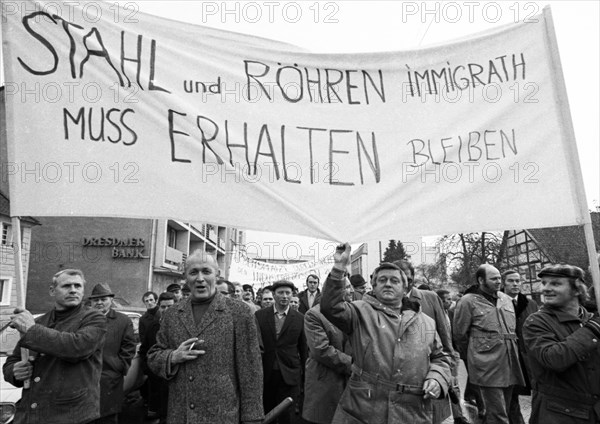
pixel 176 290
pixel 119 350
pixel 562 342
pixel 284 348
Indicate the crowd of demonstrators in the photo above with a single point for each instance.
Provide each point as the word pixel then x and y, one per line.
pixel 376 351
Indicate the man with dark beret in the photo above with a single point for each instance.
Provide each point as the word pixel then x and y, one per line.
pixel 563 351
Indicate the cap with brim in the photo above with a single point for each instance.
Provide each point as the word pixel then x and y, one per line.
pixel 562 271
pixel 357 280
pixel 283 283
pixel 186 289
pixel 101 290
pixel 173 287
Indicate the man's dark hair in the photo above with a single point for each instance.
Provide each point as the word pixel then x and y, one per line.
pixel 166 296
pixel 148 293
pixel 313 276
pixel 424 287
pixel 441 293
pixel 508 272
pixel 269 287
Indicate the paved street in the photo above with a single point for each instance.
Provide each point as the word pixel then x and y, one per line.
pixel 471 412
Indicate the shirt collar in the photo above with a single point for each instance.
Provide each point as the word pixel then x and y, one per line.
pixel 284 312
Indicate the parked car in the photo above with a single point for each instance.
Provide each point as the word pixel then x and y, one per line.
pixel 9 394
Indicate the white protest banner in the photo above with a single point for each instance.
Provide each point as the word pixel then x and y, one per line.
pixel 111 113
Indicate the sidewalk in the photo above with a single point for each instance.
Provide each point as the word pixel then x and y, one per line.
pixel 471 412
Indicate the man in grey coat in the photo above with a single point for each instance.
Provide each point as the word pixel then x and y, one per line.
pixel 207 347
pixel 484 330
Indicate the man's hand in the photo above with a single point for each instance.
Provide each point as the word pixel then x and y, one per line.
pixel 432 389
pixel 341 257
pixel 185 352
pixel 22 320
pixel 22 370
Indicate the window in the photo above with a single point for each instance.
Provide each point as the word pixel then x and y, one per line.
pixel 171 237
pixel 6 234
pixel 5 285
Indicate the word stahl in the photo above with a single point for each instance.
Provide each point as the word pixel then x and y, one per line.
pixel 91 38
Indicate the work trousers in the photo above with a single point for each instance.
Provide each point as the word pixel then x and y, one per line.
pixel 497 404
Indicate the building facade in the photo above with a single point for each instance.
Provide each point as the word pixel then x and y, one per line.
pixel 8 268
pixel 131 255
pixel 529 250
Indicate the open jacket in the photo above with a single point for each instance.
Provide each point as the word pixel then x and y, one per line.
pixel 564 359
pixel 486 336
pixel 225 384
pixel 65 385
pixel 289 349
pixel 118 352
pixel 303 301
pixel 393 356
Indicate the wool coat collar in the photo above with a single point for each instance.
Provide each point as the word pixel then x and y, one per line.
pixel 186 316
